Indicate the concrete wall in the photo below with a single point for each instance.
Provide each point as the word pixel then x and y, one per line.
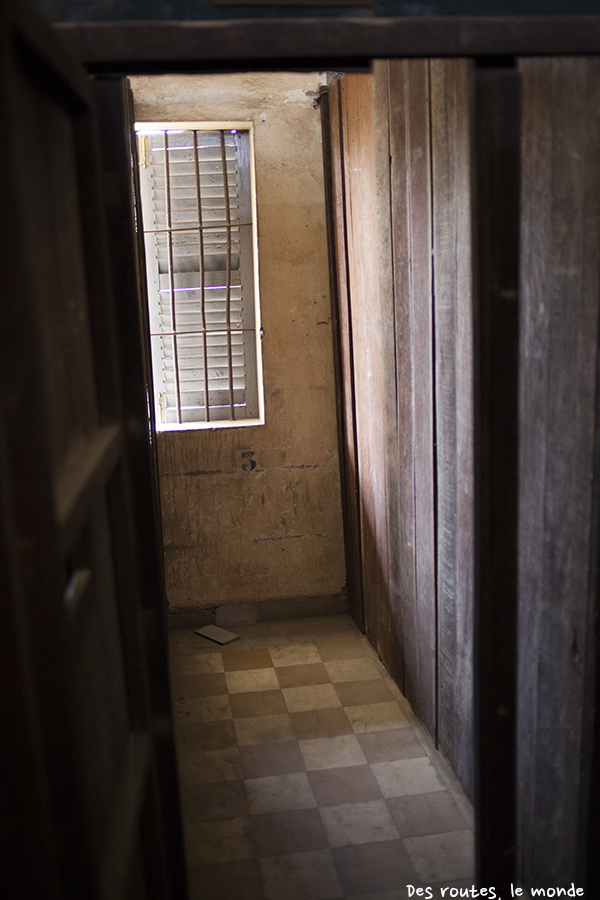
pixel 234 536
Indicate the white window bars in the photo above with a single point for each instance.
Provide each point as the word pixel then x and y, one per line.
pixel 199 222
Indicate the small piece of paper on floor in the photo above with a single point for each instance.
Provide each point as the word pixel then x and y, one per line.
pixel 220 635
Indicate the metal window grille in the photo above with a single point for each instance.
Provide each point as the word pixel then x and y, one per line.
pixel 200 242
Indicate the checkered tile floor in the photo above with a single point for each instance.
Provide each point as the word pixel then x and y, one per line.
pixel 304 774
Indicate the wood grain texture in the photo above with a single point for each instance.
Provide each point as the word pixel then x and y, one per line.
pixel 391 433
pixel 559 345
pixel 345 360
pixel 451 155
pixel 372 337
pixel 402 90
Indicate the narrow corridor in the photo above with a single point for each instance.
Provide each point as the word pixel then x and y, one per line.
pixel 304 773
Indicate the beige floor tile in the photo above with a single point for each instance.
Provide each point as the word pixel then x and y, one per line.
pixel 332 752
pixel 351 670
pixel 278 793
pixel 442 857
pixel 358 823
pixel 298 655
pixel 198 766
pixel 264 729
pixel 221 841
pixel 376 717
pixel 252 680
pixel 301 876
pixel 198 664
pixel 313 696
pixel 407 776
pixel 202 709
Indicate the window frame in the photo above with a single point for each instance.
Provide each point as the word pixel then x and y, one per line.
pixel 143 127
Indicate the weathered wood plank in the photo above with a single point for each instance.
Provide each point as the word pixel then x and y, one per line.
pixel 343 358
pixel 497 135
pixel 451 156
pixel 371 334
pixel 397 527
pixel 410 461
pixel 559 347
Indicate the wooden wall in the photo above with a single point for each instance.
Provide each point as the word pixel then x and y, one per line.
pixel 560 303
pixel 402 146
pixel 468 210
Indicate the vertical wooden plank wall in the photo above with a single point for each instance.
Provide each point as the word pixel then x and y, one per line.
pixel 347 411
pixel 372 338
pixel 411 353
pixel 559 347
pixel 453 337
pixel 401 90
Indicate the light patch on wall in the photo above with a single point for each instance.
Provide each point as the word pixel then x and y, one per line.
pixel 300 97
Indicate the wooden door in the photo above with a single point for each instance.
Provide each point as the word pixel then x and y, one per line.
pixel 89 781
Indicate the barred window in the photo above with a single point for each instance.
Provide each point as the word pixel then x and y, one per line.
pixel 199 223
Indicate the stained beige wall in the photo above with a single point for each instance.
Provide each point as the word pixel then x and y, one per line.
pixel 274 532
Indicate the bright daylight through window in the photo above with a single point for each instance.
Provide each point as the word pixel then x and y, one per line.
pixel 199 222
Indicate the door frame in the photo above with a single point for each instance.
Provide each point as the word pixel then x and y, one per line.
pixel 196 47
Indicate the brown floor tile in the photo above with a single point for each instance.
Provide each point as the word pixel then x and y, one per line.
pixel 200 766
pixel 344 648
pixel 349 784
pixel 354 693
pixel 381 866
pixel 271 759
pixel 385 746
pixel 320 723
pixel 224 840
pixel 199 685
pixel 302 676
pixel 206 736
pixel 236 660
pixel 296 831
pixel 219 800
pixel 226 881
pixel 257 703
pixel 420 814
pixel 301 876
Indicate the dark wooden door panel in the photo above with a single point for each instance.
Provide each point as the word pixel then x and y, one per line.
pixel 70 540
pixel 558 399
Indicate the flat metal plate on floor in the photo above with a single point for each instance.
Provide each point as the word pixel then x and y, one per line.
pixel 220 635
